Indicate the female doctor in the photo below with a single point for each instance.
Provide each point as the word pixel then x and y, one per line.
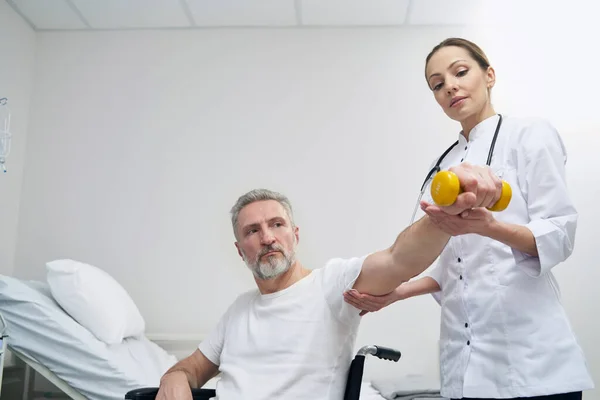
pixel 504 332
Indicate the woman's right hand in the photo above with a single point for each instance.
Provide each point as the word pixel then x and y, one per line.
pixel 367 303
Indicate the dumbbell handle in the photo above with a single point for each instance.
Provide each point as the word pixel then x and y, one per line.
pixel 445 188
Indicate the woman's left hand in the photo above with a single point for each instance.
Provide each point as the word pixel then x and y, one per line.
pixel 367 303
pixel 477 220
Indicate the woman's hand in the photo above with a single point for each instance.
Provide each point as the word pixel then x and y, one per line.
pixel 477 220
pixel 406 290
pixel 368 303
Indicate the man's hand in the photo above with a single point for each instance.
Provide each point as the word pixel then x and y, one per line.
pixel 174 386
pixel 191 372
pixel 481 188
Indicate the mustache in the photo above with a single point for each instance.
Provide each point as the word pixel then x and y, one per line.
pixel 269 249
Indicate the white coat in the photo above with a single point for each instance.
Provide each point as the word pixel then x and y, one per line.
pixel 504 332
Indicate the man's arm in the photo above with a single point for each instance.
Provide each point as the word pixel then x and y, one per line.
pixel 414 250
pixel 417 247
pixel 197 369
pixel 191 372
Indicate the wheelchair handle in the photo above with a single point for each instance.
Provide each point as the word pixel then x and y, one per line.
pixel 381 352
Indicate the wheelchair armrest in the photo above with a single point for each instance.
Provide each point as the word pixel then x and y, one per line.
pixel 385 353
pixel 149 393
pixel 142 393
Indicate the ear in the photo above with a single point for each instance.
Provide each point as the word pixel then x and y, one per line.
pixel 297 234
pixel 490 77
pixel 237 246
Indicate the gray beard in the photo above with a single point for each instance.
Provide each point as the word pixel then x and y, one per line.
pixel 273 266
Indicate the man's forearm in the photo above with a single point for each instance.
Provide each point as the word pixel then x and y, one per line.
pixel 418 246
pixel 413 251
pixel 184 367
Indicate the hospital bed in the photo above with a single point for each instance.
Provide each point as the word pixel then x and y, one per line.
pixel 52 344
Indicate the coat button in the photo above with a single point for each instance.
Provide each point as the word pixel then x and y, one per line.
pixel 468 342
pixel 466 325
pixel 460 277
pixel 459 260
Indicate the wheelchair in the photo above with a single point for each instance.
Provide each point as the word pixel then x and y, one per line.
pixel 353 383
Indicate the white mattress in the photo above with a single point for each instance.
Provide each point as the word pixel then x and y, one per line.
pixel 41 330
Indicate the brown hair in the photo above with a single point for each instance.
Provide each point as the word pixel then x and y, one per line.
pixel 474 50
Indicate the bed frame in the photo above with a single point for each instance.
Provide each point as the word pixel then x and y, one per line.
pixel 31 367
pixel 2 350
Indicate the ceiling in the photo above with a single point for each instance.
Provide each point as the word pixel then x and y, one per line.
pixel 193 14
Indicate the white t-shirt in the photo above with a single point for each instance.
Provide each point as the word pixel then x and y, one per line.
pixel 297 343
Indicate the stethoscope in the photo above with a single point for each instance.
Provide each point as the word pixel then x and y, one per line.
pixel 436 168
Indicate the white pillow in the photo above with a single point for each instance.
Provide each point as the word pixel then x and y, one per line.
pixel 95 300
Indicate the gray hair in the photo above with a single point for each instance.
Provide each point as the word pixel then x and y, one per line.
pixel 259 195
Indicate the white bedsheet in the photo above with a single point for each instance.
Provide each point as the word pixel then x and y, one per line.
pixel 41 330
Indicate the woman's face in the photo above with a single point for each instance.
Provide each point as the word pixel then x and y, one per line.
pixel 459 84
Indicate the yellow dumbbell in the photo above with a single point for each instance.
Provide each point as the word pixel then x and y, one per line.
pixel 445 188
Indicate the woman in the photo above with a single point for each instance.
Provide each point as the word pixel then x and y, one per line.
pixel 504 332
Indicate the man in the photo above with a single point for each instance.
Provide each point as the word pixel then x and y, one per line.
pixel 294 336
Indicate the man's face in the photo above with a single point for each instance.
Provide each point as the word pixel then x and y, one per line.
pixel 266 239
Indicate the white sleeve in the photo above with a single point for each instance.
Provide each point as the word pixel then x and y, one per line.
pixel 212 346
pixel 340 275
pixel 541 159
pixel 435 273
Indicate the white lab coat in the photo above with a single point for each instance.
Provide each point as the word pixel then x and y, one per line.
pixel 504 332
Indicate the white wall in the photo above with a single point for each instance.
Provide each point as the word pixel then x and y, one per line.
pixel 17 56
pixel 140 142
